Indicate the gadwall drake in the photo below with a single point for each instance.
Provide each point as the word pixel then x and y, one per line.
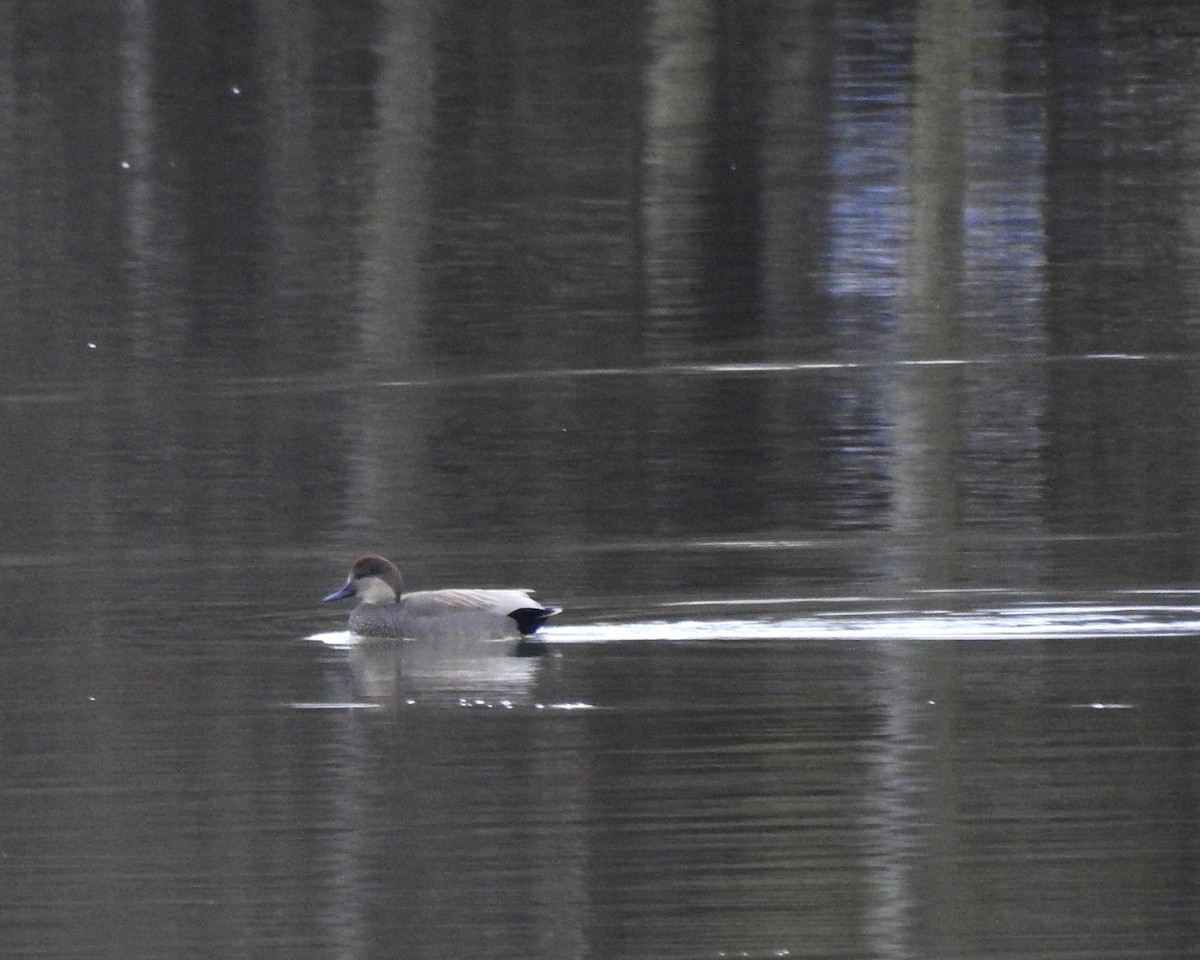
pixel 385 610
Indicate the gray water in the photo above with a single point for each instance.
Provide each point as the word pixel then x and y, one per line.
pixel 834 366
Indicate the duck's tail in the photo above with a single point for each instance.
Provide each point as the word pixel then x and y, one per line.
pixel 529 619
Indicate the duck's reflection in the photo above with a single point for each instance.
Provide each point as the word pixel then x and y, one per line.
pixel 491 673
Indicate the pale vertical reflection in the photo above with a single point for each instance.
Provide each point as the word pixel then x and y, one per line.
pixel 137 127
pixel 914 806
pixel 676 149
pixel 926 416
pixel 926 400
pixel 343 918
pixel 1190 177
pixel 967 438
pixel 931 325
pixel 152 245
pixel 972 289
pixel 893 808
pixel 394 300
pixel 9 233
pixel 398 229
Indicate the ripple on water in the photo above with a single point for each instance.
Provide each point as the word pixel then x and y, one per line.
pixel 1070 621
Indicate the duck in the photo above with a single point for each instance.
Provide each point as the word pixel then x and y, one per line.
pixel 386 611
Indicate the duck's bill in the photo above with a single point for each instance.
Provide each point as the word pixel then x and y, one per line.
pixel 346 591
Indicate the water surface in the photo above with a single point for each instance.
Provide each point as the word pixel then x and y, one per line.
pixel 832 363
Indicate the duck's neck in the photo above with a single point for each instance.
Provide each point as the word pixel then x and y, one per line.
pixel 375 590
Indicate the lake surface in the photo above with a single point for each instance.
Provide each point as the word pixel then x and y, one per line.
pixel 833 364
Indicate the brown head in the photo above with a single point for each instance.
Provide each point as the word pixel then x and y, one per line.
pixel 373 580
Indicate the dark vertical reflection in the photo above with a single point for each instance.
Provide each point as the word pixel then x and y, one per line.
pixel 320 111
pixel 702 176
pixel 491 844
pixel 1004 256
pixel 1120 249
pixel 214 149
pixel 59 192
pixel 734 236
pixel 58 188
pixel 796 174
pixel 532 256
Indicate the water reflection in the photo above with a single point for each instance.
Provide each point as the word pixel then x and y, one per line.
pixel 832 362
pixel 410 671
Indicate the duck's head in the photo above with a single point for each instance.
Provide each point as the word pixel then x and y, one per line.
pixel 372 580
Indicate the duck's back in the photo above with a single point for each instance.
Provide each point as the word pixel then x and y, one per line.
pixel 452 615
